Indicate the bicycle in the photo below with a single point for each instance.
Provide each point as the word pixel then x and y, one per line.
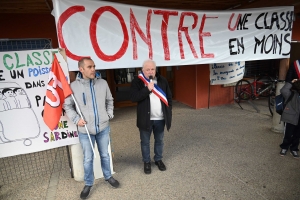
pixel 261 87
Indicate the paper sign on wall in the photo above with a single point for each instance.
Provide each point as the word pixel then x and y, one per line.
pixel 23 81
pixel 225 73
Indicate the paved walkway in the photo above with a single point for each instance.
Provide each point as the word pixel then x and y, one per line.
pixel 219 153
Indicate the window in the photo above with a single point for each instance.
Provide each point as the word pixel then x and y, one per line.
pixel 25 44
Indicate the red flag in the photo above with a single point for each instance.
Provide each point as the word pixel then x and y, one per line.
pixel 57 90
pixel 297 67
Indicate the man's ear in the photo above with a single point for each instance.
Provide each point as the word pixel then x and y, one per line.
pixel 80 69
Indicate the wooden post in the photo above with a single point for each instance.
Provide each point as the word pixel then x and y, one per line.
pixel 283 68
pixel 278 126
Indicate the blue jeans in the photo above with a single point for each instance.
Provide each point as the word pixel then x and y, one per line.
pixel 102 140
pixel 157 126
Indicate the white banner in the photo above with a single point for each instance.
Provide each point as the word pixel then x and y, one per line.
pixel 225 73
pixel 123 36
pixel 23 81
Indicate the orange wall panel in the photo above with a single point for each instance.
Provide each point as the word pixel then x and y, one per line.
pixel 202 86
pixel 193 88
pixel 15 26
pixel 185 81
pixel 220 95
pixel 212 95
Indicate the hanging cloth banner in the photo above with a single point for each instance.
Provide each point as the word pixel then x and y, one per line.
pixel 123 36
pixel 156 90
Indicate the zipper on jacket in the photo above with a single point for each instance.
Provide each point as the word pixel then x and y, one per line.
pixel 83 97
pixel 95 109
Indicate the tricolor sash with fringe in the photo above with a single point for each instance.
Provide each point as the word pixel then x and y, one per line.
pixel 156 90
pixel 297 67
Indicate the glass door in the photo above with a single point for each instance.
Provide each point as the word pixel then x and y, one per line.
pixel 121 82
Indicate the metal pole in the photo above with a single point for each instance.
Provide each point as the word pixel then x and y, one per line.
pixel 70 164
pixel 84 125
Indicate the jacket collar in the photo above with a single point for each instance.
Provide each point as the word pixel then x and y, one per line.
pixel 80 78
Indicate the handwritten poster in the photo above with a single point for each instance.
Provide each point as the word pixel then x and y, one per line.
pixel 225 73
pixel 23 81
pixel 123 36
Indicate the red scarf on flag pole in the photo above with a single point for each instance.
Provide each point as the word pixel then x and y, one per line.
pixel 57 90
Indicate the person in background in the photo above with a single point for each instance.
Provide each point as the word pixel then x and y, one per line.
pixel 291 117
pixel 292 71
pixel 154 111
pixel 95 102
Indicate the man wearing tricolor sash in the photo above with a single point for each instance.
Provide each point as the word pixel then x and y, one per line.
pixel 154 111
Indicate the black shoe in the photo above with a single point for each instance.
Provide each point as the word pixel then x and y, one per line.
pixel 161 166
pixel 283 152
pixel 113 182
pixel 85 192
pixel 295 154
pixel 147 167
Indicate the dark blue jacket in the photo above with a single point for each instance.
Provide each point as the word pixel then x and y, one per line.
pixel 140 94
pixel 291 111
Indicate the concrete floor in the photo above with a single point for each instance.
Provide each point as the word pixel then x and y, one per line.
pixel 221 153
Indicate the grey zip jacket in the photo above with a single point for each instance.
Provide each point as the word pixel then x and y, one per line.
pixel 95 101
pixel 291 111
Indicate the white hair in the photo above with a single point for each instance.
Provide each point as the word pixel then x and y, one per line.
pixel 148 61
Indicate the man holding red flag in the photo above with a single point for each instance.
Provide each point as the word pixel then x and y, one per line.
pixel 94 109
pixel 57 90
